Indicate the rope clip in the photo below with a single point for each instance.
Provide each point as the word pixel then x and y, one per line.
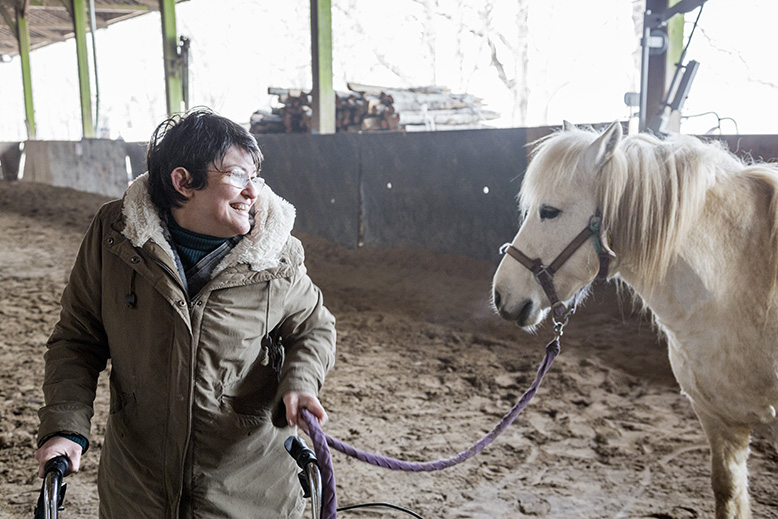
pixel 559 326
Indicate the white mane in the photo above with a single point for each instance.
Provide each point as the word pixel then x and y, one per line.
pixel 652 192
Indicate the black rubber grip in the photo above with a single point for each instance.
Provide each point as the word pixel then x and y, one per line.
pixel 297 448
pixel 60 465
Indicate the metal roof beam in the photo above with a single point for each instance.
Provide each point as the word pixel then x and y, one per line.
pixel 44 19
pixel 47 4
pixel 6 15
pixel 105 8
pixel 55 30
pixel 115 8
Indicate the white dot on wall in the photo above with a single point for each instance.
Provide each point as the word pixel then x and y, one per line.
pixel 332 201
pixel 486 190
pixel 388 185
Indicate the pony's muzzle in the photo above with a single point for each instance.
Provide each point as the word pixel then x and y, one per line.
pixel 520 317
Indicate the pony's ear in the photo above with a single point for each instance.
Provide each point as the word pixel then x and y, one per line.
pixel 567 126
pixel 602 149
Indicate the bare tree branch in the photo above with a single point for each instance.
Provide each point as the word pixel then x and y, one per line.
pixel 737 56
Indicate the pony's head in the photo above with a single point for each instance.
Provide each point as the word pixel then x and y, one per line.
pixel 560 194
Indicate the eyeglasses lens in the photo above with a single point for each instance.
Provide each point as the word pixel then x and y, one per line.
pixel 240 179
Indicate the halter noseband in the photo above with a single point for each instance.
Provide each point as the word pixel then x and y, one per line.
pixel 544 275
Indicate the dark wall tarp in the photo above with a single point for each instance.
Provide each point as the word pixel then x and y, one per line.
pixel 451 192
pixel 136 152
pixel 319 175
pixel 10 155
pixel 760 148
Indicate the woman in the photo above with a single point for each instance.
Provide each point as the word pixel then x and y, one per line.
pixel 194 288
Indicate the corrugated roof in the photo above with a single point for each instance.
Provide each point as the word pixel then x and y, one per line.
pixel 50 21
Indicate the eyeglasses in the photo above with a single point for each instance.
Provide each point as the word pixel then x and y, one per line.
pixel 239 178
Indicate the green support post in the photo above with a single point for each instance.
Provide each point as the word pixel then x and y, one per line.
pixel 174 85
pixel 675 43
pixel 321 53
pixel 23 37
pixel 79 27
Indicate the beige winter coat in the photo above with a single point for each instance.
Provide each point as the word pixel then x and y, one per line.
pixel 189 432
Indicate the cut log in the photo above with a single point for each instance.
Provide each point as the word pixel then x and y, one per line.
pixel 438 117
pixel 434 98
pixel 266 122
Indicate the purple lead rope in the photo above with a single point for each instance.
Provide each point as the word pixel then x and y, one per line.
pixel 321 440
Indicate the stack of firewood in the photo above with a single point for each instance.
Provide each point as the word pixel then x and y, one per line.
pixel 369 108
pixel 381 114
pixel 350 111
pixel 263 121
pixel 354 112
pixel 432 108
pixel 292 116
pixel 295 110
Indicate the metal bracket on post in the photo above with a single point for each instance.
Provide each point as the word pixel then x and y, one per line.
pixel 651 41
pixel 183 58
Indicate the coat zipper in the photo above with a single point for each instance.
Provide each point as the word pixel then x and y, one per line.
pixel 190 308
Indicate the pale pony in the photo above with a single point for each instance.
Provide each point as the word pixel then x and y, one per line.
pixel 694 231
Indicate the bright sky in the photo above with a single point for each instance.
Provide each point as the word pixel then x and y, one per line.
pixel 582 59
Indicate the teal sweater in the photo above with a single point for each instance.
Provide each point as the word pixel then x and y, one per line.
pixel 192 246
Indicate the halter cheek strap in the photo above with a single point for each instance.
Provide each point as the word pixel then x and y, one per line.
pixel 544 275
pixel 601 245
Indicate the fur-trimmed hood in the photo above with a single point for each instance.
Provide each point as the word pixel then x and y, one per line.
pixel 260 248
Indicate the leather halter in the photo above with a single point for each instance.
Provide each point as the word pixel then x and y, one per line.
pixel 544 275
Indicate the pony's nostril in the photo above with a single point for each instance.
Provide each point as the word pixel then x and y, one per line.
pixel 525 312
pixel 496 299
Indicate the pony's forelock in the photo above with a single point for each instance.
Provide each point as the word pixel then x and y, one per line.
pixel 553 159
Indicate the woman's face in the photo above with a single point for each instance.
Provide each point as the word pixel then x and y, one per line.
pixel 220 209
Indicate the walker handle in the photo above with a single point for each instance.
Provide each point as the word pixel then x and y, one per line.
pixel 310 477
pixel 297 448
pixel 59 465
pixel 53 490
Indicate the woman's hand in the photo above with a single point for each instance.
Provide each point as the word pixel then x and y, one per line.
pixel 58 446
pixel 297 400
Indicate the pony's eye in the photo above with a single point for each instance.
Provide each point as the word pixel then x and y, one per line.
pixel 547 212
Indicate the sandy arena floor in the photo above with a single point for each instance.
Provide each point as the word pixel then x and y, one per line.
pixel 424 369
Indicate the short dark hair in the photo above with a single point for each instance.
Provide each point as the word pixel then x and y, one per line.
pixel 192 140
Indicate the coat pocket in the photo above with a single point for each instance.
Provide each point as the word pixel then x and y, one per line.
pixel 119 401
pixel 121 414
pixel 249 412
